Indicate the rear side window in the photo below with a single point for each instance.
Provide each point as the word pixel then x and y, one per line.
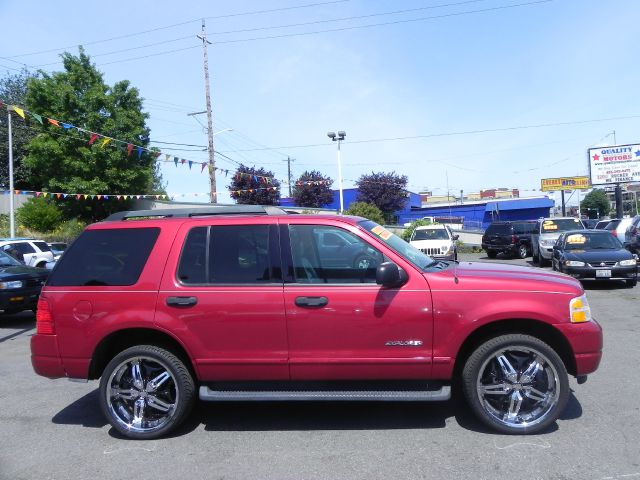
pixel 105 258
pixel 42 246
pixel 229 254
pixel 499 229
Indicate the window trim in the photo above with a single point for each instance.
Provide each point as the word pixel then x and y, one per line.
pixel 274 258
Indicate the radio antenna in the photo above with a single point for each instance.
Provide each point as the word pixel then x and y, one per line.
pixel 455 260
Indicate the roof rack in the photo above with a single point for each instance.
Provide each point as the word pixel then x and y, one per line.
pixel 197 212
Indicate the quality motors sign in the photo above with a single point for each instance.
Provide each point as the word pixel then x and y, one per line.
pixel 616 164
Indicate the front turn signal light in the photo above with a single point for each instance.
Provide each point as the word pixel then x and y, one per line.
pixel 579 310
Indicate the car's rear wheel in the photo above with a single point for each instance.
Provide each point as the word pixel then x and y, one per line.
pixel 146 392
pixel 516 384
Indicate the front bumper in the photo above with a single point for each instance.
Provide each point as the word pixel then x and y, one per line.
pixel 590 273
pixel 20 298
pixel 546 252
pixel 586 342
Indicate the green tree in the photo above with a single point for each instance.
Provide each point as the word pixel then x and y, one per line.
pixel 254 186
pixel 13 90
pixel 387 191
pixel 312 190
pixel 61 160
pixel 406 235
pixel 596 203
pixel 366 210
pixel 39 214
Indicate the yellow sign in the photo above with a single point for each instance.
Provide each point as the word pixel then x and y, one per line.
pixel 565 183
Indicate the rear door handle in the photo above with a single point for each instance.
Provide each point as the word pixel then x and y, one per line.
pixel 312 302
pixel 182 301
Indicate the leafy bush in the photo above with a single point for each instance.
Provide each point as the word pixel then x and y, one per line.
pixel 67 231
pixel 39 214
pixel 366 210
pixel 406 235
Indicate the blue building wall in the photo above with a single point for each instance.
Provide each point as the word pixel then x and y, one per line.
pixel 350 195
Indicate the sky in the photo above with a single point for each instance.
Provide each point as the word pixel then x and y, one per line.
pixel 499 93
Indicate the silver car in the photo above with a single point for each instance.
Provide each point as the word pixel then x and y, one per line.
pixel 546 234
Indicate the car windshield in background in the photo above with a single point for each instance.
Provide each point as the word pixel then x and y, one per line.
pixel 561 225
pixel 586 241
pixel 410 253
pixel 7 260
pixel 431 234
pixel 612 225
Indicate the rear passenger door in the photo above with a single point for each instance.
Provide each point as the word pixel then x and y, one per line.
pixel 222 293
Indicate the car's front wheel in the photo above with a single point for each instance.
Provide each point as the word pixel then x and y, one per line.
pixel 491 254
pixel 516 384
pixel 146 392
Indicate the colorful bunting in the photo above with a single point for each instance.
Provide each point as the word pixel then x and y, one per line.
pixel 105 141
pixel 129 149
pixel 37 117
pixel 93 138
pixel 19 111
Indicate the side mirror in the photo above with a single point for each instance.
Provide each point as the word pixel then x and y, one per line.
pixel 556 247
pixel 456 237
pixel 390 275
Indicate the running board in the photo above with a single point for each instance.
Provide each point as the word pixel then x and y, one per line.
pixel 209 395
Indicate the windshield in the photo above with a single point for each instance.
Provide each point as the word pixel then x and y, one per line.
pixel 560 225
pixel 7 260
pixel 407 251
pixel 430 234
pixel 586 241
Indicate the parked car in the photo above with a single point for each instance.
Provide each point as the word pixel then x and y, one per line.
pixel 618 227
pixel 603 223
pixel 632 235
pixel 512 238
pixel 437 241
pixel 57 248
pixel 237 303
pixel 590 223
pixel 19 284
pixel 594 255
pixel 34 253
pixel 546 234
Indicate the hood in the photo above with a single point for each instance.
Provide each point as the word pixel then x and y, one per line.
pixel 550 236
pixel 501 276
pixel 595 256
pixel 19 272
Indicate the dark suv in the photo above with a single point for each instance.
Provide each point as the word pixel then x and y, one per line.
pixel 632 236
pixel 512 238
pixel 247 303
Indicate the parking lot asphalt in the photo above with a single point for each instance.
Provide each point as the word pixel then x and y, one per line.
pixel 53 429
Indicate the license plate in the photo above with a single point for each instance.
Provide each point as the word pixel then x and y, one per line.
pixel 603 273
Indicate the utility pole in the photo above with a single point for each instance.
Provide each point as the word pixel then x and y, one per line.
pixel 289 160
pixel 12 221
pixel 212 161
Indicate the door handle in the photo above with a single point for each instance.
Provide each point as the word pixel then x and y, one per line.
pixel 312 302
pixel 182 301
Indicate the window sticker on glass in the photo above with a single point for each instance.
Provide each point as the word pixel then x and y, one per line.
pixel 382 232
pixel 386 235
pixel 577 239
pixel 377 229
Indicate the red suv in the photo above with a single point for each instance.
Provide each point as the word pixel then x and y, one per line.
pixel 249 303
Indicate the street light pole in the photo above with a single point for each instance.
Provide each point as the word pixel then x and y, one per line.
pixel 12 221
pixel 339 138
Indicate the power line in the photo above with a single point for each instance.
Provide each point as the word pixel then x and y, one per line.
pixel 332 30
pixel 129 35
pixel 449 134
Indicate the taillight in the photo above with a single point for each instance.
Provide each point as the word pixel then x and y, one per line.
pixel 514 239
pixel 44 319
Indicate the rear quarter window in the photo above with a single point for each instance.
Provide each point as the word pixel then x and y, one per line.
pixel 113 257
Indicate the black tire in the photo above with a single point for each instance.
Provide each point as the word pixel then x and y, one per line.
pixel 541 261
pixel 632 283
pixel 491 254
pixel 522 251
pixel 534 257
pixel 483 364
pixel 179 388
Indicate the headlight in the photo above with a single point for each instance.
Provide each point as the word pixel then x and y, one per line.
pixel 8 285
pixel 547 243
pixel 445 248
pixel 573 263
pixel 628 263
pixel 579 310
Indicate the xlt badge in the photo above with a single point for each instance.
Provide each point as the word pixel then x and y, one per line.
pixel 403 343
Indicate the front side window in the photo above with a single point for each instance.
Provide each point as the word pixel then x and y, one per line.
pixel 105 257
pixel 324 254
pixel 227 254
pixel 23 247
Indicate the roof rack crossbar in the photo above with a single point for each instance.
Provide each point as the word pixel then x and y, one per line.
pixel 197 212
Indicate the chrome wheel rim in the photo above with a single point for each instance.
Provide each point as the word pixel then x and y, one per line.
pixel 363 263
pixel 518 387
pixel 142 395
pixel 522 251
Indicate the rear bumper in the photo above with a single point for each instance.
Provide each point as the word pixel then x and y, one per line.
pixel 45 357
pixel 22 298
pixel 586 342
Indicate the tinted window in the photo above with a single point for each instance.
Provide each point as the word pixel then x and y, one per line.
pixel 499 229
pixel 42 246
pixel 316 262
pixel 23 247
pixel 521 228
pixel 228 254
pixel 612 225
pixel 105 258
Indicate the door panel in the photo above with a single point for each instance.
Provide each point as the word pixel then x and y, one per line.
pixel 363 331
